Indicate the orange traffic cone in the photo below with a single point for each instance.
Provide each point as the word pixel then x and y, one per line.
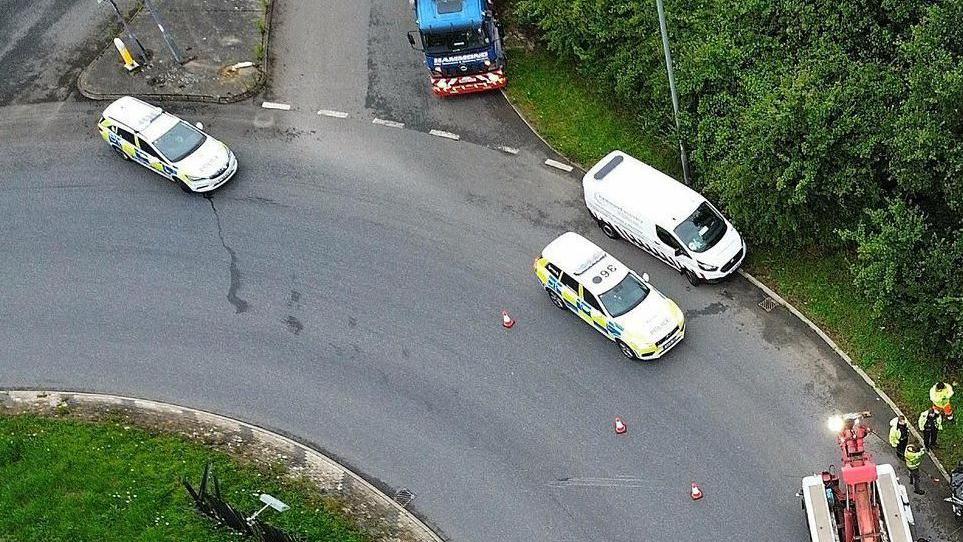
pixel 507 320
pixel 620 427
pixel 696 492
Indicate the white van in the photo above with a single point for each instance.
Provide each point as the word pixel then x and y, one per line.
pixel 638 203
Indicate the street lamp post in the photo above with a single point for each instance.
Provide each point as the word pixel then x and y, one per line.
pixel 174 49
pixel 675 97
pixel 130 33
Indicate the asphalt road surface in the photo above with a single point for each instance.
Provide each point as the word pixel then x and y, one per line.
pixel 44 44
pixel 345 287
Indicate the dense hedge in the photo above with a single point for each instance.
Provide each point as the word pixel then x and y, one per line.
pixel 813 123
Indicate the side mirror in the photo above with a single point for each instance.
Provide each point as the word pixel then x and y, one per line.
pixel 411 41
pixel 199 125
pixel 645 277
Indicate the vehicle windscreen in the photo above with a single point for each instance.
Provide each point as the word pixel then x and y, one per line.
pixel 625 296
pixel 456 42
pixel 702 230
pixel 180 141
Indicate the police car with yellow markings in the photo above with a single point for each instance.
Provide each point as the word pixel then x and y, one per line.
pixel 582 278
pixel 166 145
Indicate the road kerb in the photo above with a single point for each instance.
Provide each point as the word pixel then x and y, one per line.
pixel 51 398
pixel 839 351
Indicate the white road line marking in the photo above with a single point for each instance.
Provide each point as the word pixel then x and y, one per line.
pixel 388 123
pixel 509 150
pixel 335 114
pixel 444 134
pixel 558 165
pixel 276 105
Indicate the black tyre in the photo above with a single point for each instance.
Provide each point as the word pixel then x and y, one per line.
pixel 692 277
pixel 609 230
pixel 121 153
pixel 626 350
pixel 183 186
pixel 556 299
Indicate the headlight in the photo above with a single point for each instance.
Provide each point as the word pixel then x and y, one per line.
pixel 641 344
pixel 488 63
pixel 706 267
pixel 438 69
pixel 676 311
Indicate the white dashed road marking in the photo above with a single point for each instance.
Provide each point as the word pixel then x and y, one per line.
pixel 276 105
pixel 335 114
pixel 446 135
pixel 509 150
pixel 388 123
pixel 558 165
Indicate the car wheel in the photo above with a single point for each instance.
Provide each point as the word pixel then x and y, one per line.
pixel 692 277
pixel 556 300
pixel 184 186
pixel 627 350
pixel 121 153
pixel 609 230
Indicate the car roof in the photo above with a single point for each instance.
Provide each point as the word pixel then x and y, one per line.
pixel 640 190
pixel 583 259
pixel 131 112
pixel 159 127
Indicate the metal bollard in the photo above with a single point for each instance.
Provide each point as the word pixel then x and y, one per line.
pixel 129 62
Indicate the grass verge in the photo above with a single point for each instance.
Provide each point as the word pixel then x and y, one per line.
pixel 584 125
pixel 68 480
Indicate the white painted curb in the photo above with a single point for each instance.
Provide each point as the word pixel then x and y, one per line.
pixel 335 114
pixel 388 123
pixel 508 150
pixel 276 105
pixel 559 165
pixel 312 456
pixel 444 134
pixel 911 420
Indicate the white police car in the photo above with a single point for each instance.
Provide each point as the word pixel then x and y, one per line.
pixel 582 278
pixel 166 145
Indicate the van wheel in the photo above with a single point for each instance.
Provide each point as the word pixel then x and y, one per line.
pixel 608 230
pixel 556 300
pixel 626 350
pixel 693 278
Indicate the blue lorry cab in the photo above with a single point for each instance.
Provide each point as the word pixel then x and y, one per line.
pixel 462 45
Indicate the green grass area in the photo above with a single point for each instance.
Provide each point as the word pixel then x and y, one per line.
pixel 66 480
pixel 580 123
pixel 584 124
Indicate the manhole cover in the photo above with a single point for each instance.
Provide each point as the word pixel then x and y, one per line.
pixel 404 496
pixel 768 304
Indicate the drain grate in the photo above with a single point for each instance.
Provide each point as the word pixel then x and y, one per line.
pixel 768 304
pixel 404 496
